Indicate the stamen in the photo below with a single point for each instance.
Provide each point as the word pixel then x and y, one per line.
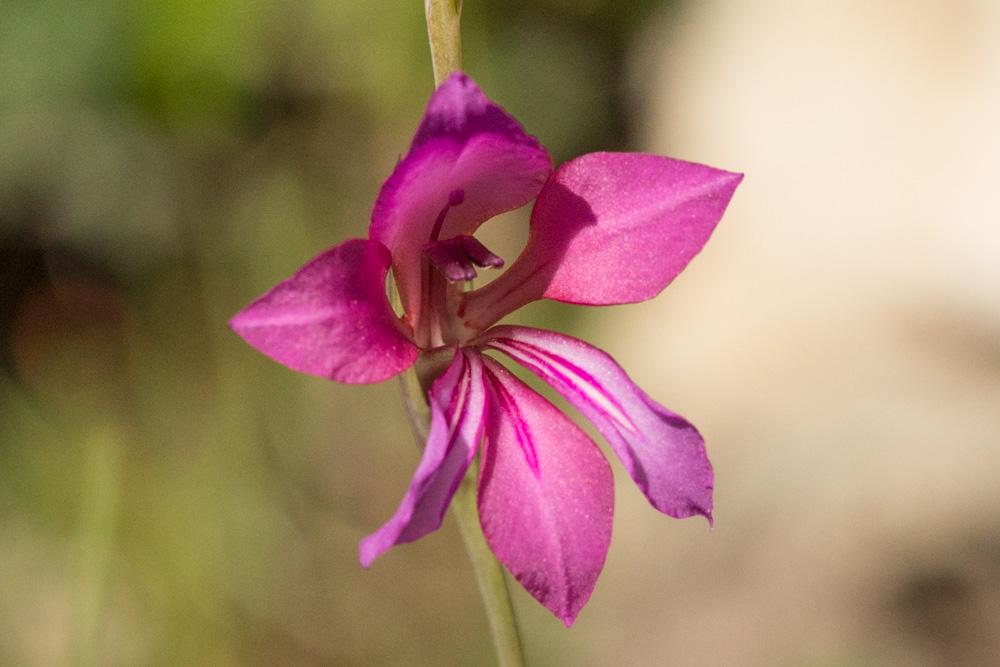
pixel 480 254
pixel 457 257
pixel 450 261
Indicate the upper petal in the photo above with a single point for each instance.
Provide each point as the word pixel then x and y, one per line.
pixel 332 318
pixel 458 402
pixel 663 453
pixel 468 150
pixel 610 228
pixel 546 496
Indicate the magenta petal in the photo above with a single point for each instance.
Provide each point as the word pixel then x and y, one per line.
pixel 332 318
pixel 663 453
pixel 610 228
pixel 458 403
pixel 469 161
pixel 546 496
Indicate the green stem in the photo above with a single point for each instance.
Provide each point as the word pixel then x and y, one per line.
pixel 489 573
pixel 102 471
pixel 445 36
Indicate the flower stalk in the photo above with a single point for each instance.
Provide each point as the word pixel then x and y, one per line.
pixel 445 36
pixel 490 577
pixel 489 574
pixel 99 509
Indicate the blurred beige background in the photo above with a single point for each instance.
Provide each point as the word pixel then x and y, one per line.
pixel 168 496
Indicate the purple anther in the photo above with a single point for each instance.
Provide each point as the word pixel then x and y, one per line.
pixel 457 257
pixel 479 254
pixel 450 261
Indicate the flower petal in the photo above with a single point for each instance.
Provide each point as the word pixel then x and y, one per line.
pixel 663 453
pixel 458 403
pixel 546 496
pixel 469 161
pixel 609 228
pixel 332 318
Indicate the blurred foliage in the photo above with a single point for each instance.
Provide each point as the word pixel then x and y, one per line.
pixel 167 496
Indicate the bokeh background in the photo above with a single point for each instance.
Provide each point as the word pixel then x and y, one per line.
pixel 170 497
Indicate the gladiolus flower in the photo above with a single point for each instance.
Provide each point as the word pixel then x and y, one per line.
pixel 606 228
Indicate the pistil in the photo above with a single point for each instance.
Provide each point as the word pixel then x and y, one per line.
pixel 454 199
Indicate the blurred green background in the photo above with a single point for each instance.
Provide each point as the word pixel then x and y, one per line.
pixel 170 497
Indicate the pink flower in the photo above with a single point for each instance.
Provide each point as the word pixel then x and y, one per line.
pixel 606 228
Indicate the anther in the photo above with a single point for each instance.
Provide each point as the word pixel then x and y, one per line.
pixel 457 257
pixel 479 254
